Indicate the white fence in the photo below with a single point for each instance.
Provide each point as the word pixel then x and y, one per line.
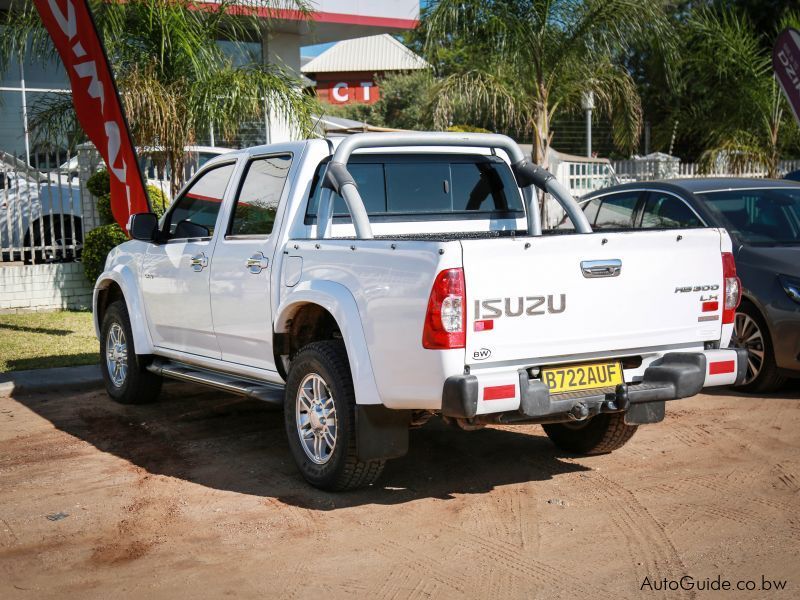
pixel 40 210
pixel 647 170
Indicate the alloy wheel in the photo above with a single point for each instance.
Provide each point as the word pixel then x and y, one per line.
pixel 117 355
pixel 748 335
pixel 315 414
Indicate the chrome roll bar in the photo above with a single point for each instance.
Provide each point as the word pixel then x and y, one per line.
pixel 338 179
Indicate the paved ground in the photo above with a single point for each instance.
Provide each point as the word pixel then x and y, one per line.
pixel 197 498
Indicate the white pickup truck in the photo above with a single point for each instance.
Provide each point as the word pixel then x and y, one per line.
pixel 369 285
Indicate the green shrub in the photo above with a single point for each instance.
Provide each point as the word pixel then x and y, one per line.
pixel 98 243
pixel 104 208
pixel 467 129
pixel 159 201
pixel 99 184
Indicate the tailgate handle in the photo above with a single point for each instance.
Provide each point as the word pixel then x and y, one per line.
pixel 601 268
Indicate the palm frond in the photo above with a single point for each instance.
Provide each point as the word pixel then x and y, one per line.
pixel 480 94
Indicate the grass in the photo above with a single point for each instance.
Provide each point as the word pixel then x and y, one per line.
pixel 47 339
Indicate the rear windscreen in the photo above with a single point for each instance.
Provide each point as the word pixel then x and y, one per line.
pixel 429 184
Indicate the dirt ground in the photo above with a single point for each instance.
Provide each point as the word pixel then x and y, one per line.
pixel 197 497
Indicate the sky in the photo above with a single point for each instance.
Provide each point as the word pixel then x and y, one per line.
pixel 318 49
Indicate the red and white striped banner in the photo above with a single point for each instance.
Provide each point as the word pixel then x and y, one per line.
pixel 97 103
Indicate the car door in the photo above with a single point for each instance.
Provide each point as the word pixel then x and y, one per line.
pixel 175 274
pixel 241 272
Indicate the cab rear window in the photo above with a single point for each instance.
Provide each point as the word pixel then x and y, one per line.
pixel 428 185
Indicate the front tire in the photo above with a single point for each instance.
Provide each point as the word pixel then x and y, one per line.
pixel 601 434
pixel 319 414
pixel 124 373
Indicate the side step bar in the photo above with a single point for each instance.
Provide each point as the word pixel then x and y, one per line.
pixel 259 390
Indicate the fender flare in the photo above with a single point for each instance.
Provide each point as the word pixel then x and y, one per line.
pixel 124 277
pixel 339 302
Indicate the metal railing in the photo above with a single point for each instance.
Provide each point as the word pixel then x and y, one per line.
pixel 40 209
pixel 648 170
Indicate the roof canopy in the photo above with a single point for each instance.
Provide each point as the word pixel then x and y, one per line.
pixel 371 54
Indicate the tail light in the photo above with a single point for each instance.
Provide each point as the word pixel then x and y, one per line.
pixel 732 287
pixel 445 321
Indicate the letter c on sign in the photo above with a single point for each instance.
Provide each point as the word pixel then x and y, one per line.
pixel 337 95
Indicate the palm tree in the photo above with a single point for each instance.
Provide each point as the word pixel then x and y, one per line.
pixel 732 102
pixel 531 60
pixel 174 78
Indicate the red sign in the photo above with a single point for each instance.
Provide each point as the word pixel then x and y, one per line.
pixel 96 101
pixel 786 63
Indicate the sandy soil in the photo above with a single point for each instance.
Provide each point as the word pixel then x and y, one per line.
pixel 197 497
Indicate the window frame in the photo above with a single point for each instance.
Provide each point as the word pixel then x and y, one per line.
pixel 174 204
pixel 638 212
pixel 635 212
pixel 242 178
pixel 646 198
pixel 393 217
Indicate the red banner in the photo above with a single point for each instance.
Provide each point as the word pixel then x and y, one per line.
pixel 786 62
pixel 96 101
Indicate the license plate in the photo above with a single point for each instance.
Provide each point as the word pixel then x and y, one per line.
pixel 572 378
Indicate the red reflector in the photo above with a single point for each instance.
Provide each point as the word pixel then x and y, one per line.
pixel 719 368
pixel 484 325
pixel 499 392
pixel 710 306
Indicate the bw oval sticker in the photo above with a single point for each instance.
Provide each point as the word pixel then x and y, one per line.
pixel 481 354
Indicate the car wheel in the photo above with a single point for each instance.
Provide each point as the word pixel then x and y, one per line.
pixel 124 372
pixel 751 333
pixel 601 434
pixel 319 414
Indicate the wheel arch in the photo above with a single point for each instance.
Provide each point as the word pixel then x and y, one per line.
pixel 120 283
pixel 320 305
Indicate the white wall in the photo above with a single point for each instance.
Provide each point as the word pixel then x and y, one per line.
pixel 44 287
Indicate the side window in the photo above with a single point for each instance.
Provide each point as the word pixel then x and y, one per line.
pixel 665 211
pixel 616 211
pixel 591 208
pixel 200 204
pixel 259 195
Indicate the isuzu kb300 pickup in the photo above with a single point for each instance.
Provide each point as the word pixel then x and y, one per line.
pixel 369 283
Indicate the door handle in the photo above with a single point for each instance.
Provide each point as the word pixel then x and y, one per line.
pixel 601 268
pixel 199 262
pixel 257 263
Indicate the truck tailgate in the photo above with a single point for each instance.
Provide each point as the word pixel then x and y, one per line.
pixel 530 301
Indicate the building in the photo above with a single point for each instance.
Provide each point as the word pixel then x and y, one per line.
pixel 350 71
pixel 27 81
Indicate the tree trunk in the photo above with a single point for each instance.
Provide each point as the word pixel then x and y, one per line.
pixel 541 145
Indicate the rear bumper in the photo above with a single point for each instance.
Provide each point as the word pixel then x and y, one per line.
pixel 673 376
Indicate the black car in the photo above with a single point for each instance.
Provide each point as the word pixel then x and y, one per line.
pixel 762 217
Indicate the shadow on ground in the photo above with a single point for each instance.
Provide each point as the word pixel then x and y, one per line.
pixel 229 443
pixel 54 360
pixel 26 329
pixel 788 391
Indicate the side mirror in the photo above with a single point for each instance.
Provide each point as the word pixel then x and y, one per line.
pixel 143 227
pixel 187 229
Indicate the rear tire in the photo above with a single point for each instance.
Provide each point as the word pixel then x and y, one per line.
pixel 319 414
pixel 126 378
pixel 752 334
pixel 601 434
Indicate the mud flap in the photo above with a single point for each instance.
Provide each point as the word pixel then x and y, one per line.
pixel 645 412
pixel 381 433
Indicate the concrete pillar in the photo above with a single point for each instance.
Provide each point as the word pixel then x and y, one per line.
pixel 283 49
pixel 88 162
